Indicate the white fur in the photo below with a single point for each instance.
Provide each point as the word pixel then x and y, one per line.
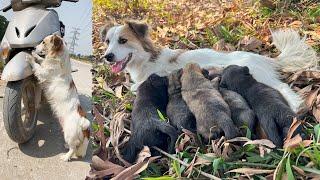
pixel 263 69
pixel 295 53
pixel 55 77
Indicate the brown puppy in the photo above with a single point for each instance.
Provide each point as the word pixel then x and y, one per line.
pixel 206 103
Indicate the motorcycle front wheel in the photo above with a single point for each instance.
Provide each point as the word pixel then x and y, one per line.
pixel 19 109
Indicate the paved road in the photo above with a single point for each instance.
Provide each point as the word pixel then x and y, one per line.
pixel 40 157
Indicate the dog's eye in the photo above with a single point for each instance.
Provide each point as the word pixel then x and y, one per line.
pixel 107 41
pixel 122 40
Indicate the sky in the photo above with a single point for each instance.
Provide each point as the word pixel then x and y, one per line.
pixel 78 15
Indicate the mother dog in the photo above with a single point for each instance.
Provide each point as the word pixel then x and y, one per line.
pixel 130 48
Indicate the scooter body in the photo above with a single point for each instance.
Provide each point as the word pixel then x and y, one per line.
pixel 26 30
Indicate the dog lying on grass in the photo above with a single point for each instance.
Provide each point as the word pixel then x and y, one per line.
pixel 206 103
pixel 146 127
pixel 270 107
pixel 54 74
pixel 178 112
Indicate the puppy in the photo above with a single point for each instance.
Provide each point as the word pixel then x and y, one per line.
pixel 241 114
pixel 146 127
pixel 206 103
pixel 272 110
pixel 177 110
pixel 54 74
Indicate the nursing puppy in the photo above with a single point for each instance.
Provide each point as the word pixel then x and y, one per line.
pixel 241 113
pixel 206 103
pixel 147 129
pixel 130 48
pixel 54 74
pixel 177 110
pixel 270 107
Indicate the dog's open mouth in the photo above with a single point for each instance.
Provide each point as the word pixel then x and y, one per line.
pixel 120 65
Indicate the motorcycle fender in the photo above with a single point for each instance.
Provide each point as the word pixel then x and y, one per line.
pixel 17 68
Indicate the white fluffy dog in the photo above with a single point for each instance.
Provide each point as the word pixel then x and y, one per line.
pixel 130 48
pixel 54 74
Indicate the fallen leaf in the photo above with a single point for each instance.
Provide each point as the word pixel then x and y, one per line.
pixel 183 142
pixel 132 171
pixel 311 98
pixel 144 153
pixel 294 125
pixel 250 171
pixel 293 142
pixel 100 134
pixel 316 113
pixel 116 130
pixel 104 168
pixel 118 91
pixel 264 142
pixel 305 91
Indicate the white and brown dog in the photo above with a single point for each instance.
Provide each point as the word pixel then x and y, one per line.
pixel 54 74
pixel 130 48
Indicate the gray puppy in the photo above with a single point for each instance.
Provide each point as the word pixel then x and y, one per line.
pixel 241 113
pixel 178 112
pixel 206 103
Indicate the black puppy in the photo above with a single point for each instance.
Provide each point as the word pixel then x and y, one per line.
pixel 146 126
pixel 270 107
pixel 177 110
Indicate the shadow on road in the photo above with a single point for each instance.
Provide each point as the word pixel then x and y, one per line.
pixel 48 139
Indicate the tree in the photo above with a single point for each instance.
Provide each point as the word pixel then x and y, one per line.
pixel 3 26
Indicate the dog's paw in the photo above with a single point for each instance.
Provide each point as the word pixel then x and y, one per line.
pixel 30 59
pixel 65 157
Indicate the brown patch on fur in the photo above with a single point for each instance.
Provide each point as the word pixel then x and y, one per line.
pixel 72 85
pixel 86 133
pixel 135 31
pixel 81 112
pixel 175 57
pixel 56 43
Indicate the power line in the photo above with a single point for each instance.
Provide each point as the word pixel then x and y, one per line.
pixel 74 38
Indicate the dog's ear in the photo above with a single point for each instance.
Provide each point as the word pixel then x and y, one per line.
pixel 57 42
pixel 140 29
pixel 205 73
pixel 245 70
pixel 109 23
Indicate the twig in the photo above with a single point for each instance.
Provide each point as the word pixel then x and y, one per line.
pixel 186 164
pixel 251 164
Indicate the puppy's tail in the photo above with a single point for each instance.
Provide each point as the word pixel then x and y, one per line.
pixel 295 53
pixel 170 131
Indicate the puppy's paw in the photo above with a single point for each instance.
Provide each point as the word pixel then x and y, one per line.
pixel 65 157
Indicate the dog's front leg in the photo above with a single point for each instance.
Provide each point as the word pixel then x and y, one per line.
pixel 40 72
pixel 37 57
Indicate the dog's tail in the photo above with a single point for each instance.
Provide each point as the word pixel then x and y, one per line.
pixel 295 53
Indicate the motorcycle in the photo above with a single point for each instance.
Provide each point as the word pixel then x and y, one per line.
pixel 32 21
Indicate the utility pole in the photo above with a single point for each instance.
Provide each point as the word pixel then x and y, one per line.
pixel 74 38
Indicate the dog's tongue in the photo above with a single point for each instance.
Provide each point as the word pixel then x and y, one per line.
pixel 117 67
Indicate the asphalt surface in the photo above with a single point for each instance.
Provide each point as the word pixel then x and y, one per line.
pixel 40 157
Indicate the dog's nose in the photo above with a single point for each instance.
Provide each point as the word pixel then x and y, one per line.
pixel 110 57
